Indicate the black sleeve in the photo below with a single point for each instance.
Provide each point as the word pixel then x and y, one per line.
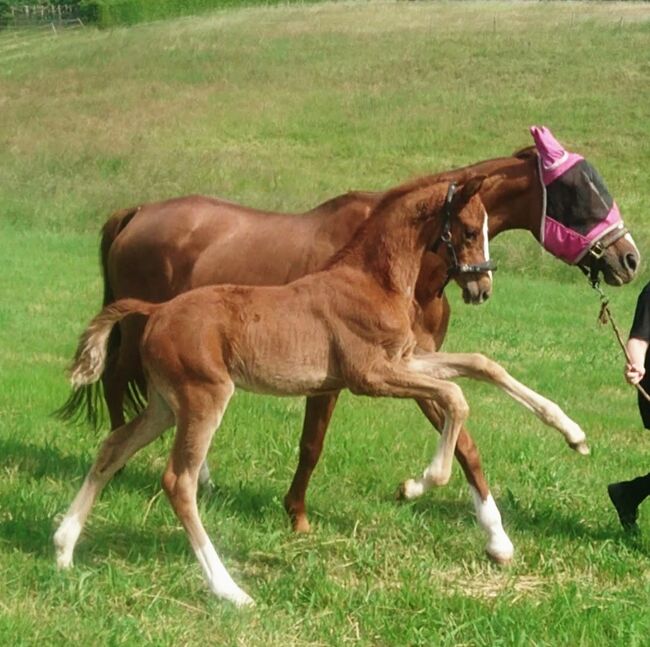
pixel 641 324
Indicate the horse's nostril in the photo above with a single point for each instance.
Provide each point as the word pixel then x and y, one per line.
pixel 630 261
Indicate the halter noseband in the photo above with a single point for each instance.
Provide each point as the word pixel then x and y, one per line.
pixel 599 247
pixel 445 237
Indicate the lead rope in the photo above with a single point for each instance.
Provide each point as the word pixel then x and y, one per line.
pixel 605 316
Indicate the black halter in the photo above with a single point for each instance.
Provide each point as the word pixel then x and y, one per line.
pixel 445 238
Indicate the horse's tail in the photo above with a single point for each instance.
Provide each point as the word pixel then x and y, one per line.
pixel 86 401
pixel 90 358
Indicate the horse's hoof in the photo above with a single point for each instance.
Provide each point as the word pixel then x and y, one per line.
pixel 301 525
pixel 244 601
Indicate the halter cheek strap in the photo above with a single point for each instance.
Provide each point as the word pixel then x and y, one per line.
pixel 455 267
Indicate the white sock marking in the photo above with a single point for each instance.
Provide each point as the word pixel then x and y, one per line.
pixel 218 578
pixel 65 539
pixel 499 546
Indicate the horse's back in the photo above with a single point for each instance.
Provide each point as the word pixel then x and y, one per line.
pixel 169 247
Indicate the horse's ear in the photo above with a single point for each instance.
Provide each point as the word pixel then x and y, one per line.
pixel 471 188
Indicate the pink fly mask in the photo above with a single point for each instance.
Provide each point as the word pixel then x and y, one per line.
pixel 579 212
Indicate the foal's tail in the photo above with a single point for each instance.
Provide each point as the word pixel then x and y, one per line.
pixel 87 402
pixel 90 358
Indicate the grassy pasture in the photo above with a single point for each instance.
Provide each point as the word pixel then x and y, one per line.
pixel 283 108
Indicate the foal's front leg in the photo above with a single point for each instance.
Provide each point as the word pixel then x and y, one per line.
pixel 198 417
pixel 498 547
pixel 480 367
pixel 407 380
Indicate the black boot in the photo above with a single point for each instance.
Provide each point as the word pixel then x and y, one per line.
pixel 627 496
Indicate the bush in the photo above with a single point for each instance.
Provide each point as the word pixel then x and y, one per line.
pixel 109 13
pixel 5 14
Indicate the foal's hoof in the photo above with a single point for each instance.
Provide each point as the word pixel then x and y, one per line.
pixel 581 447
pixel 243 601
pixel 502 553
pixel 239 598
pixel 500 560
pixel 400 493
pixel 409 490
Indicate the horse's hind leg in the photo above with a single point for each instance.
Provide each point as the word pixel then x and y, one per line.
pixel 318 412
pixel 498 547
pixel 123 370
pixel 118 447
pixel 200 413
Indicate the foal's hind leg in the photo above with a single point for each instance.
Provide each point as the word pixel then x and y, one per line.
pixel 118 447
pixel 498 547
pixel 123 371
pixel 200 413
pixel 318 412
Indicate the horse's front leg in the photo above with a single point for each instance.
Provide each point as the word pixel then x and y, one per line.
pixel 318 412
pixel 498 547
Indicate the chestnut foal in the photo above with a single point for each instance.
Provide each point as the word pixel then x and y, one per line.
pixel 348 326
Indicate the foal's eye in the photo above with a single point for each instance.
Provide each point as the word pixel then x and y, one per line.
pixel 471 234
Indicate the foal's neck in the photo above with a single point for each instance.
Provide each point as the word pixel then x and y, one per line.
pixel 391 252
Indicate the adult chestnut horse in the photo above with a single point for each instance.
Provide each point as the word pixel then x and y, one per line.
pixel 348 326
pixel 158 250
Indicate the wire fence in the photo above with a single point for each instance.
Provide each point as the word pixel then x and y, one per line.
pixel 51 16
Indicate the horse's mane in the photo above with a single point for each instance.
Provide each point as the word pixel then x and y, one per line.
pixel 334 204
pixel 525 153
pixel 396 193
pixel 460 175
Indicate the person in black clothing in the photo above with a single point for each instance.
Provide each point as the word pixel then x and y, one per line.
pixel 628 495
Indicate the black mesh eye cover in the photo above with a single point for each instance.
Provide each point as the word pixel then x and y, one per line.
pixel 579 198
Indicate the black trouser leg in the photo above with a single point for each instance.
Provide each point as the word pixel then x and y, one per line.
pixel 627 496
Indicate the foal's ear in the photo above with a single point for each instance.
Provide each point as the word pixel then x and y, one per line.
pixel 471 188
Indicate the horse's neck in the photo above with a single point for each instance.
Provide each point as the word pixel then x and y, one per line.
pixel 512 195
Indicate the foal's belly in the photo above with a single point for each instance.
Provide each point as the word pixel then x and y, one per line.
pixel 285 380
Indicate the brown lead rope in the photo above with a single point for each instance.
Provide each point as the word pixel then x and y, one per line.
pixel 605 316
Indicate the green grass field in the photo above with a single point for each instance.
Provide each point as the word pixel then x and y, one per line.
pixel 282 108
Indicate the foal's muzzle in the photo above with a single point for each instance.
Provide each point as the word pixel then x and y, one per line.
pixel 477 290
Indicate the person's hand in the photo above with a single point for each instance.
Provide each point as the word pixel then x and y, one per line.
pixel 634 373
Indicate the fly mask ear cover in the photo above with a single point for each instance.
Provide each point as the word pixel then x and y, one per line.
pixel 578 209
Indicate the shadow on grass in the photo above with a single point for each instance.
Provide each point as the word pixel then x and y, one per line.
pixel 46 462
pixel 27 522
pixel 546 522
